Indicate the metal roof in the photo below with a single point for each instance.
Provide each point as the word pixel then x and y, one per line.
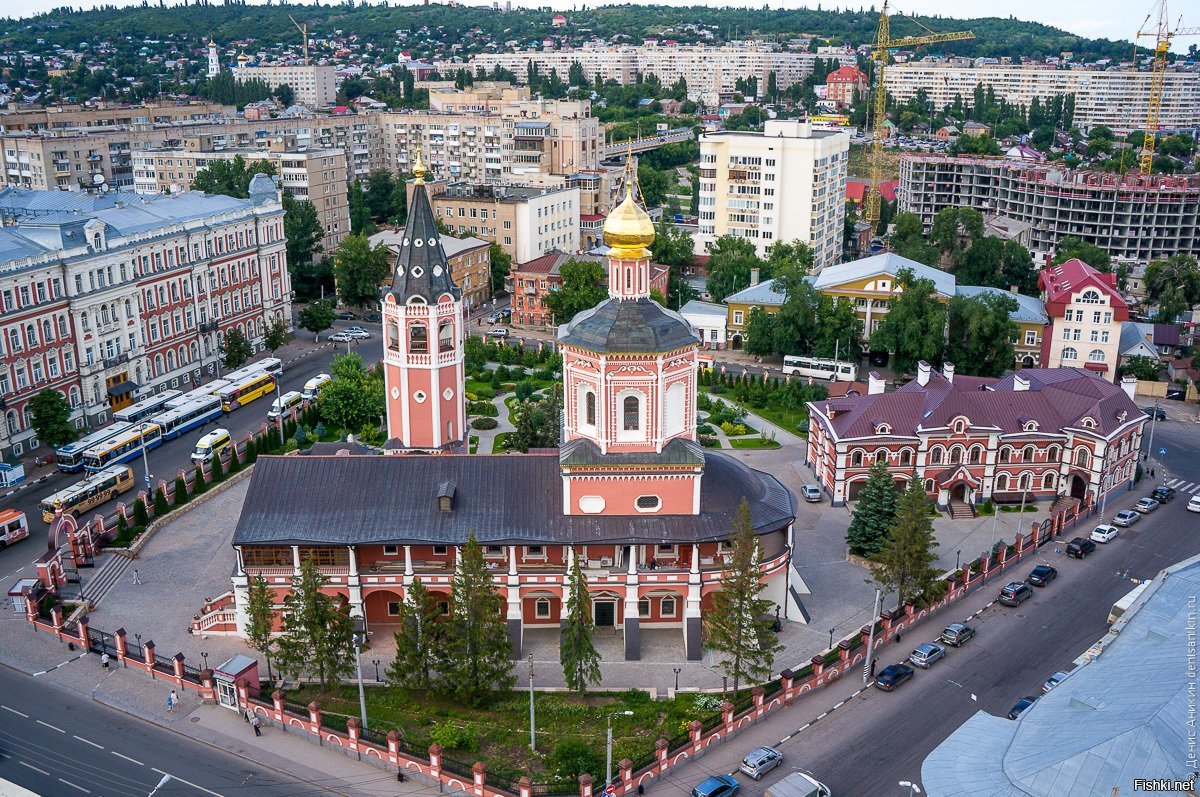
pixel 764 293
pixel 628 326
pixel 706 309
pixel 1030 309
pixel 420 268
pixel 887 263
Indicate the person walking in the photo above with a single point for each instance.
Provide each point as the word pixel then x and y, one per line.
pixel 137 579
pixel 104 660
pixel 257 724
pixel 172 699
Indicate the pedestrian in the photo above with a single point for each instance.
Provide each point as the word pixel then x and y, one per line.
pixel 1152 473
pixel 104 659
pixel 136 578
pixel 874 661
pixel 172 699
pixel 257 723
pixel 653 563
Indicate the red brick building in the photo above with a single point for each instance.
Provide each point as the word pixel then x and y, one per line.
pixel 842 84
pixel 533 280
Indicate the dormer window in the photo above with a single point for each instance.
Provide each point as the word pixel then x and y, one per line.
pixel 1090 297
pixel 883 428
pixel 1088 423
pixel 1031 426
pixel 446 496
pixel 960 426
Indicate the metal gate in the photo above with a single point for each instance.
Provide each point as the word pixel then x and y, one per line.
pixel 102 642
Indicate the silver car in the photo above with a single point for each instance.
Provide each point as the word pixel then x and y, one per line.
pixel 812 493
pixel 927 653
pixel 1146 506
pixel 1126 518
pixel 760 761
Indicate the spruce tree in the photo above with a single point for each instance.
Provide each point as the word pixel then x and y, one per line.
pixel 181 493
pixel 251 452
pixel 161 506
pixel 198 483
pixel 906 559
pixel 260 619
pixel 579 657
pixel 234 462
pixel 475 655
pixel 417 639
pixel 873 513
pixel 315 632
pixel 141 517
pixel 739 624
pixel 215 464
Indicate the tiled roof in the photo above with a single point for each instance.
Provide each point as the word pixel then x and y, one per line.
pixel 887 263
pixel 1029 308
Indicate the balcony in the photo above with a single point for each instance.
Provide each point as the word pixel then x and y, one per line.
pixel 113 362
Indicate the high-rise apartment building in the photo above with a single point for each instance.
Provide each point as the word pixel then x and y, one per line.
pixel 313 85
pixel 787 183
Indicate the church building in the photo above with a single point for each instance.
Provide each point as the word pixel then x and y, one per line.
pixel 630 491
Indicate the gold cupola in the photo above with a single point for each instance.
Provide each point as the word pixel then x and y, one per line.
pixel 628 230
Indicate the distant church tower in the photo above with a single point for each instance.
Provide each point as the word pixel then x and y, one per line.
pixel 423 338
pixel 214 59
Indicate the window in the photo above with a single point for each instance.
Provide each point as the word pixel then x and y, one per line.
pixel 955 455
pixel 1081 457
pixel 541 608
pixel 643 607
pixel 976 455
pixel 1090 297
pixel 906 457
pixel 631 414
pixel 418 339
pixel 439 550
pixel 393 608
pixel 444 608
pixel 935 456
pixel 1005 454
pixel 1070 354
pixel 881 456
pixel 648 503
pixel 589 408
pixel 1096 356
pixel 667 607
pixel 1048 481
pixel 1002 482
pixel 391 550
pixel 856 459
pixel 535 552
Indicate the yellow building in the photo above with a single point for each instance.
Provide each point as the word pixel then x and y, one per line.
pixel 761 295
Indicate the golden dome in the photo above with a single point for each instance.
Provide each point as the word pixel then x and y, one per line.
pixel 629 228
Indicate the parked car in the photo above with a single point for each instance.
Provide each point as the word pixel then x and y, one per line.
pixel 1080 547
pixel 927 653
pixel 892 676
pixel 1126 518
pixel 358 333
pixel 346 315
pixel 760 761
pixel 340 337
pixel 372 318
pixel 493 318
pixel 1162 493
pixel 717 786
pixel 1155 411
pixel 1053 681
pixel 956 634
pixel 1021 707
pixel 1042 575
pixel 1194 504
pixel 812 493
pixel 1145 506
pixel 1014 593
pixel 1104 533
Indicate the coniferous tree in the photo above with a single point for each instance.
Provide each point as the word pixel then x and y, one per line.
pixel 315 632
pixel 579 657
pixel 260 619
pixel 181 494
pixel 738 623
pixel 906 559
pixel 475 654
pixel 417 639
pixel 141 518
pixel 873 513
pixel 198 483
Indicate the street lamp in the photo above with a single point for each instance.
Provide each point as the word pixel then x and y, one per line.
pixel 912 787
pixel 957 557
pixel 608 746
pixel 376 663
pixel 358 639
pixel 145 460
pixel 677 671
pixel 204 655
pixel 279 418
pixel 532 719
pixel 831 631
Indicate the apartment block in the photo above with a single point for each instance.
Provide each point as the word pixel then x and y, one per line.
pixel 103 115
pixel 1087 312
pixel 488 97
pixel 313 85
pixel 787 183
pixel 470 261
pixel 1114 98
pixel 1131 217
pixel 315 175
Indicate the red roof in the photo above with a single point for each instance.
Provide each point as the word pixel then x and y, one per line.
pixel 857 189
pixel 590 216
pixel 847 74
pixel 1065 280
pixel 539 265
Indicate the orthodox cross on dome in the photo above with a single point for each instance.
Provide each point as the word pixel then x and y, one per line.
pixel 628 230
pixel 420 269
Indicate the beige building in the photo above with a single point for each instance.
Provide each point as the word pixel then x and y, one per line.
pixel 470 261
pixel 1086 312
pixel 526 222
pixel 316 175
pixel 314 86
pixel 1115 98
pixel 104 115
pixel 487 97
pixel 787 183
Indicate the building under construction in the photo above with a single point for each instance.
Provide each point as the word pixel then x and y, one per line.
pixel 1130 216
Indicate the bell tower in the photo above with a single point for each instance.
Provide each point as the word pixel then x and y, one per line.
pixel 214 59
pixel 423 338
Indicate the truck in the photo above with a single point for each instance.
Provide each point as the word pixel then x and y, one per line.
pixel 1120 607
pixel 798 784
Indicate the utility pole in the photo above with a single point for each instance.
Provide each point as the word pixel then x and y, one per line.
pixel 1153 423
pixel 871 637
pixel 532 723
pixel 359 639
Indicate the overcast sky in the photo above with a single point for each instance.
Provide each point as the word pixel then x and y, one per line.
pixel 1091 18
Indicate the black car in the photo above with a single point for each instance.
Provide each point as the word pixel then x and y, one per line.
pixel 1080 547
pixel 346 315
pixel 1042 575
pixel 1021 706
pixel 1163 493
pixel 1155 413
pixel 892 676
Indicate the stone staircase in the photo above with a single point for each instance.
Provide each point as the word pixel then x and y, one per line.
pixel 960 510
pixel 105 576
pixel 1063 504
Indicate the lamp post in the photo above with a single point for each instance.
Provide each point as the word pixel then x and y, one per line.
pixel 358 639
pixel 532 718
pixel 831 632
pixel 608 746
pixel 279 418
pixel 957 557
pixel 145 460
pixel 677 671
pixel 204 655
pixel 1153 423
pixel 376 663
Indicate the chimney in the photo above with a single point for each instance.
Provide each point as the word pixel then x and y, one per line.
pixel 874 384
pixel 923 372
pixel 1020 383
pixel 754 276
pixel 1129 384
pixel 948 372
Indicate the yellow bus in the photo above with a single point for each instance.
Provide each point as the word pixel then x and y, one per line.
pixel 97 489
pixel 246 390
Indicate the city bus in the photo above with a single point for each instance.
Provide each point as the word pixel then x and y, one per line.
pixel 13 527
pixel 215 387
pixel 195 395
pixel 175 422
pixel 97 489
pixel 148 406
pixel 69 457
pixel 124 447
pixel 270 365
pixel 833 370
pixel 246 390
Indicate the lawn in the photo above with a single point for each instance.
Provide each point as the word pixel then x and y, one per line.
pixel 498 733
pixel 794 421
pixel 500 443
pixel 752 442
pixel 473 443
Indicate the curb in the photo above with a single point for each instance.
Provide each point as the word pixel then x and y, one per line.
pixel 28 484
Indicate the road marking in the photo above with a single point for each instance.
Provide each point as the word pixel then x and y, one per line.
pixel 1189 486
pixel 73 786
pixel 14 711
pixel 51 727
pixel 61 664
pixel 85 741
pixel 188 782
pixel 956 683
pixel 838 705
pixel 35 769
pixel 1174 482
pixel 127 758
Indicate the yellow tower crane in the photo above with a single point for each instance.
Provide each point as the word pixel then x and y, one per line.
pixel 879 53
pixel 303 32
pixel 1162 35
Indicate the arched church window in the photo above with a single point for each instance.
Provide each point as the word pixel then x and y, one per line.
pixel 589 408
pixel 446 336
pixel 632 414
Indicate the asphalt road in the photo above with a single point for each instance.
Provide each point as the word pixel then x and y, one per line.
pixel 56 743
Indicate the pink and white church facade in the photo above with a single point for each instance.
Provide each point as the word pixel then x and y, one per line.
pixel 630 492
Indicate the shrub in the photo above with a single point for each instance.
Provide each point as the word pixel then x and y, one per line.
pixel 161 506
pixel 524 390
pixel 198 483
pixel 471 396
pixel 452 736
pixel 482 394
pixel 181 495
pixel 251 452
pixel 485 408
pixel 573 757
pixel 301 437
pixel 235 464
pixel 320 430
pixel 484 423
pixel 140 516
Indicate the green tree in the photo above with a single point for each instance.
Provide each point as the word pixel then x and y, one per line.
pixel 501 263
pixel 260 619
pixel 905 562
pixel 671 247
pixel 654 185
pixel 476 648
pixel 275 334
pixel 537 422
pixel 975 145
pixel 360 270
pixel 1147 369
pixel 317 317
pixel 235 349
pixel 981 333
pixel 354 396
pixel 380 186
pixel 360 214
pixel 417 640
pixel 760 332
pixel 583 287
pixel 729 262
pixel 796 326
pixel 955 229
pixel 1073 248
pixel 908 239
pixel 51 415
pixel 839 329
pixel 1001 264
pixel 579 657
pixel 315 632
pixel 796 256
pixel 739 623
pixel 1173 285
pixel 304 233
pixel 285 95
pixel 914 327
pixel 230 177
pixel 874 511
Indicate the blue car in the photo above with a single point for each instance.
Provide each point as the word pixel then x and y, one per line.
pixel 717 786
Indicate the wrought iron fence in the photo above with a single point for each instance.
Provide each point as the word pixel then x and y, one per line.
pixel 102 642
pixel 134 651
pixel 191 674
pixel 458 767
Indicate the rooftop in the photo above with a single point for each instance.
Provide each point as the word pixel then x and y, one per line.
pixel 495 193
pixel 1030 309
pixel 887 263
pixel 640 326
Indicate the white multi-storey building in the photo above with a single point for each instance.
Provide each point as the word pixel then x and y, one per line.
pixel 787 183
pixel 313 85
pixel 1114 98
pixel 109 297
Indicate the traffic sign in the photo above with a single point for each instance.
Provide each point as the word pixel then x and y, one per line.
pixel 610 790
pixel 1162 452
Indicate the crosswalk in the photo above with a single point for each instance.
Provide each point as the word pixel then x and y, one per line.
pixel 1184 487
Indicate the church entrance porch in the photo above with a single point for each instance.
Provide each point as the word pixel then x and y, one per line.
pixel 658 645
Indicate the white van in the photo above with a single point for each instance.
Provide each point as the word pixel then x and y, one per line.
pixel 285 404
pixel 213 442
pixel 314 385
pixel 798 784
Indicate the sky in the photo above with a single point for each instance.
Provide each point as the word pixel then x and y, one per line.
pixel 1091 18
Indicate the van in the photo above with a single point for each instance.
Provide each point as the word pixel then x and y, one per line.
pixel 212 443
pixel 314 385
pixel 798 784
pixel 285 404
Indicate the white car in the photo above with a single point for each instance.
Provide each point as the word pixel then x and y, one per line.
pixel 1193 504
pixel 1104 533
pixel 357 333
pixel 340 337
pixel 1126 518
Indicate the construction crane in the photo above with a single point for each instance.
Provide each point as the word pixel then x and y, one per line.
pixel 884 43
pixel 303 32
pixel 1162 35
